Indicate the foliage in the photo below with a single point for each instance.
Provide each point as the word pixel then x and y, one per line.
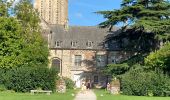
pixel 69 83
pixel 144 23
pixel 22 49
pixel 21 42
pixel 11 42
pixel 2 88
pixel 4 7
pixel 27 15
pixel 135 59
pixel 36 48
pixel 142 83
pixel 116 69
pixel 159 60
pixel 24 79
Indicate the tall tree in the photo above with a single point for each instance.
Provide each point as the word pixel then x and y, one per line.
pixel 4 7
pixel 21 42
pixel 11 42
pixel 36 49
pixel 144 23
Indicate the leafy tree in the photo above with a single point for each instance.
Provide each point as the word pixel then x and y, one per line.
pixel 159 60
pixel 11 42
pixel 36 50
pixel 4 7
pixel 27 15
pixel 116 69
pixel 144 23
pixel 21 42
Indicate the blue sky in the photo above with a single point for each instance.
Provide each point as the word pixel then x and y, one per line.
pixel 81 11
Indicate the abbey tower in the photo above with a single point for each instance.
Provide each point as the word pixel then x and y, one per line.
pixel 53 11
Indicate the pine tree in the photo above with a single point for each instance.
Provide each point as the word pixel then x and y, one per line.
pixel 145 23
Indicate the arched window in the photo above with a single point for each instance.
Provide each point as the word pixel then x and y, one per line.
pixel 56 64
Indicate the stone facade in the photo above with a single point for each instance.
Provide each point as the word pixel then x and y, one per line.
pixel 53 11
pixel 78 52
pixel 89 69
pixel 84 72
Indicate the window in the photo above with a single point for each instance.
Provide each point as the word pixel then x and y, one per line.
pixel 89 44
pixel 96 79
pixel 113 59
pixel 101 60
pixel 58 44
pixel 77 60
pixel 73 44
pixel 56 64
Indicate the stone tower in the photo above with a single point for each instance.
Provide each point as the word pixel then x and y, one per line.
pixel 53 11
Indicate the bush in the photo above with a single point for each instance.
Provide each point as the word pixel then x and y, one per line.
pixel 24 79
pixel 116 69
pixel 159 60
pixel 2 88
pixel 141 83
pixel 69 83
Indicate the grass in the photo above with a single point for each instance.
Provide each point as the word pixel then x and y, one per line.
pixel 107 96
pixel 28 96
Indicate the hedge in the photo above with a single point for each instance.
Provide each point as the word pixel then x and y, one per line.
pixel 142 83
pixel 24 79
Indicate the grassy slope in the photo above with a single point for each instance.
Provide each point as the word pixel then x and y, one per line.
pixel 107 96
pixel 28 96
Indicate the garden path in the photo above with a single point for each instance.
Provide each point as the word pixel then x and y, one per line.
pixel 86 95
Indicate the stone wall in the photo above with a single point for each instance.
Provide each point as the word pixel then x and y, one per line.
pixel 67 60
pixel 88 69
pixel 53 11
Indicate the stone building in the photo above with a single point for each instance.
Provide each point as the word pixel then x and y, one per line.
pixel 53 11
pixel 78 52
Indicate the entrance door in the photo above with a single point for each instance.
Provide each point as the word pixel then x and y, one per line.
pixel 77 80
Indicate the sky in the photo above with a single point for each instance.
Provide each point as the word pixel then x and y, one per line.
pixel 81 12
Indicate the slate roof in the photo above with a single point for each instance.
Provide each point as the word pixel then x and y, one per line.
pixel 79 34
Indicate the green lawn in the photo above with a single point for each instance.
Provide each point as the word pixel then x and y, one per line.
pixel 107 96
pixel 28 96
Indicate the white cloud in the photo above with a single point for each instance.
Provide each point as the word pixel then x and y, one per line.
pixel 79 15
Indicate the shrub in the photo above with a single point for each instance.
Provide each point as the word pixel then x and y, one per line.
pixel 116 69
pixel 159 60
pixel 24 79
pixel 2 88
pixel 141 83
pixel 69 83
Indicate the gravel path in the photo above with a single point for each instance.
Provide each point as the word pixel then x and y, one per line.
pixel 86 95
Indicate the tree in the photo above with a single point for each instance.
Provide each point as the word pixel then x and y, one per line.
pixel 4 7
pixel 21 42
pixel 11 42
pixel 144 23
pixel 36 48
pixel 159 60
pixel 116 69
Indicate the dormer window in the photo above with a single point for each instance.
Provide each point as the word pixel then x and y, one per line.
pixel 74 44
pixel 89 44
pixel 58 43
